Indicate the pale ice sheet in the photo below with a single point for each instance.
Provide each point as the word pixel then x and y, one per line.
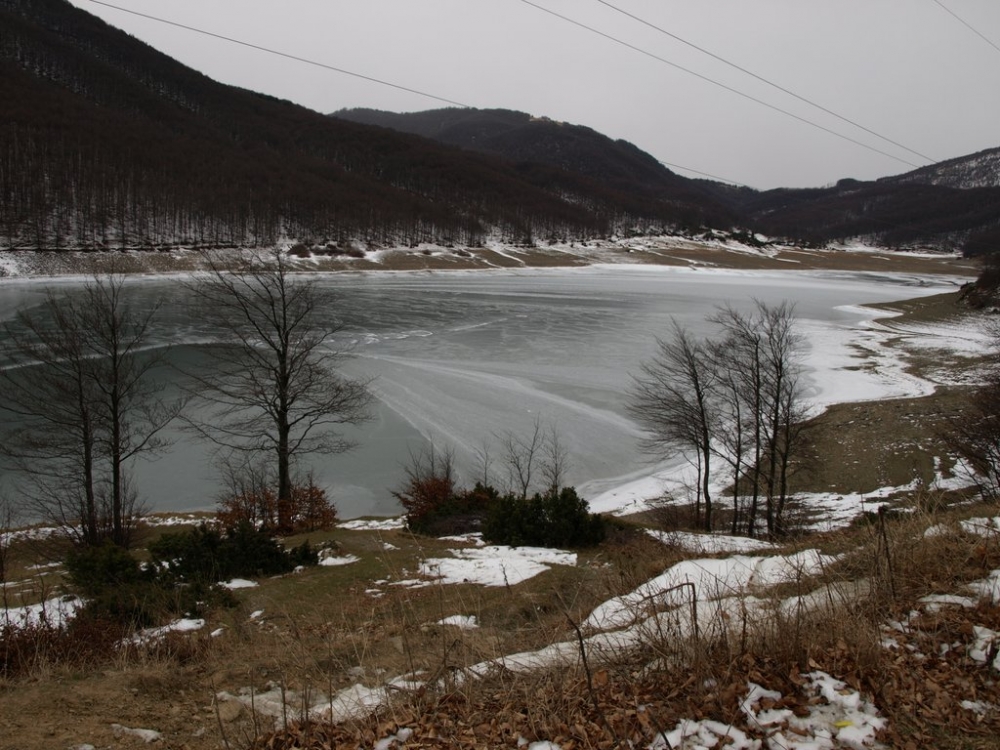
pixel 461 357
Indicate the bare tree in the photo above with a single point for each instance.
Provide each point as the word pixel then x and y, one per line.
pixel 782 403
pixel 734 444
pixel 275 391
pixel 484 464
pixel 761 430
pixel 50 395
pixel 673 397
pixel 522 456
pixel 975 436
pixel 737 399
pixel 79 384
pixel 132 412
pixel 739 358
pixel 527 458
pixel 555 460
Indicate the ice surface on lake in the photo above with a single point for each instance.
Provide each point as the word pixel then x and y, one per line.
pixel 459 358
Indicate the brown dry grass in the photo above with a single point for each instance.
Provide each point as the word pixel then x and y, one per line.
pixel 321 631
pixel 640 693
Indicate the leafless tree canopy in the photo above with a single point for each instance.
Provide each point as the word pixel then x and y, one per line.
pixel 528 458
pixel 80 387
pixel 736 399
pixel 274 390
pixel 672 398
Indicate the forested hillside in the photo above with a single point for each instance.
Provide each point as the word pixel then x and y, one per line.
pixel 911 210
pixel 521 138
pixel 952 205
pixel 906 215
pixel 981 169
pixel 106 142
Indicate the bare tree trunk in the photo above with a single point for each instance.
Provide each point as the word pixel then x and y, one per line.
pixel 760 351
pixel 82 389
pixel 675 399
pixel 274 392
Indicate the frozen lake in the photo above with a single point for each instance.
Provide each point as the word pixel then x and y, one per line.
pixel 460 357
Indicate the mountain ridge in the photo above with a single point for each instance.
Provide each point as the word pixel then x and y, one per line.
pixel 143 151
pixel 978 170
pixel 936 205
pixel 521 137
pixel 138 150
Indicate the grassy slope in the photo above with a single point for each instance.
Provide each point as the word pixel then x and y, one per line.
pixel 320 629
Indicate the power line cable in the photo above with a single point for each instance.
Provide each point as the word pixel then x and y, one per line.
pixel 762 79
pixel 966 24
pixel 307 61
pixel 371 79
pixel 281 54
pixel 703 174
pixel 721 85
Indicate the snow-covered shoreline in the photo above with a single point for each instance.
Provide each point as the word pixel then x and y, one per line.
pixel 715 250
pixel 833 367
pixel 832 361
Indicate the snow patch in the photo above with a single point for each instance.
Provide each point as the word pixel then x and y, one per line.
pixel 495 565
pixel 55 612
pixel 332 561
pixel 462 622
pixel 383 524
pixel 238 583
pixel 146 735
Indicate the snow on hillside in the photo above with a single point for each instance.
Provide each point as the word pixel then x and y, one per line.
pixel 716 595
pixel 978 170
pixel 710 596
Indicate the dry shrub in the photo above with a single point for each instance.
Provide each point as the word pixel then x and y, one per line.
pixel 84 642
pixel 309 508
pixel 904 564
pixel 670 516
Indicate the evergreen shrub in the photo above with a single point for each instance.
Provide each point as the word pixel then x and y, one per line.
pixel 556 518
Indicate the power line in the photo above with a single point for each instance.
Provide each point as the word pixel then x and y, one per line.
pixel 967 25
pixel 703 174
pixel 399 87
pixel 281 54
pixel 721 85
pixel 750 73
pixel 334 69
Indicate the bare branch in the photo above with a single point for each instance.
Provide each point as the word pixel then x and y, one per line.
pixel 80 385
pixel 274 390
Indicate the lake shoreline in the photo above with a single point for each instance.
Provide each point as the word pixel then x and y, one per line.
pixel 935 267
pixel 32 265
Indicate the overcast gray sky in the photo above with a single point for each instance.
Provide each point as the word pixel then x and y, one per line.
pixel 906 69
